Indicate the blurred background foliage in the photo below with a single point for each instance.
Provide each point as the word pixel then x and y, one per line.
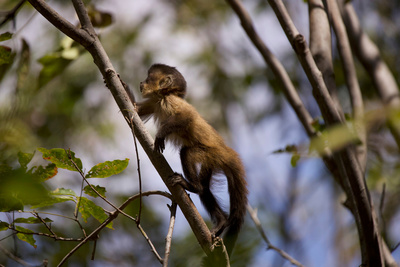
pixel 52 95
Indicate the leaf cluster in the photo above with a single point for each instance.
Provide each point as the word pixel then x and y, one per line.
pixel 25 187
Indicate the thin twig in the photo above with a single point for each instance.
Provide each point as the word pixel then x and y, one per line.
pixel 44 223
pixel 93 235
pixel 138 170
pixel 253 215
pixel 381 206
pixel 152 247
pixel 55 237
pixel 14 258
pixel 168 238
pixel 10 15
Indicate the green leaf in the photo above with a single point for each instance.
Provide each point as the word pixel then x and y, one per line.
pixel 6 60
pixel 88 208
pixel 24 159
pixel 5 36
pixel 10 203
pixel 108 168
pixel 6 55
pixel 287 149
pixel 90 192
pixel 23 68
pixel 60 157
pixel 334 138
pixel 31 220
pixel 19 188
pixel 63 191
pixel 57 196
pixel 50 202
pixel 4 226
pixel 295 158
pixel 53 65
pixel 99 18
pixel 26 235
pixel 42 174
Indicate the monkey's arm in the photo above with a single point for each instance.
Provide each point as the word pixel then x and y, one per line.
pixel 171 125
pixel 145 109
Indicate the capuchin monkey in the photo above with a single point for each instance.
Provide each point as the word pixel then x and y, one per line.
pixel 203 152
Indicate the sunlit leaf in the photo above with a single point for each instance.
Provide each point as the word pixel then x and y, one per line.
pixel 334 138
pixel 89 191
pixel 32 220
pixel 88 208
pixel 45 173
pixel 61 158
pixel 26 235
pixel 63 191
pixel 57 196
pixel 108 168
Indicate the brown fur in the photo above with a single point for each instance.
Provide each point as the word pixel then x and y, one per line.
pixel 203 151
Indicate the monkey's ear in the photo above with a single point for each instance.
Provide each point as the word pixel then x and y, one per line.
pixel 166 82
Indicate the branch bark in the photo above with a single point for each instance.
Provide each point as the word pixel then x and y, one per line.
pixel 351 175
pixel 350 75
pixel 346 159
pixel 321 46
pixel 87 38
pixel 368 54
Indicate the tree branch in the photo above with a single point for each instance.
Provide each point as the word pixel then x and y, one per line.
pixel 321 46
pixel 168 238
pixel 350 75
pixel 368 54
pixel 352 178
pixel 93 45
pixel 277 68
pixel 253 214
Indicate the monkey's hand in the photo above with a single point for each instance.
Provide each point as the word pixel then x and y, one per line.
pixel 159 144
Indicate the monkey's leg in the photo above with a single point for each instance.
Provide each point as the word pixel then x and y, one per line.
pixel 218 216
pixel 199 182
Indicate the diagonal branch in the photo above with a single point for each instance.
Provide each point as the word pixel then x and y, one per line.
pixel 277 68
pixel 350 75
pixel 254 217
pixel 93 45
pixel 368 54
pixel 349 167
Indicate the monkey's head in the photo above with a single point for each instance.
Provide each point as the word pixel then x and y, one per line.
pixel 163 80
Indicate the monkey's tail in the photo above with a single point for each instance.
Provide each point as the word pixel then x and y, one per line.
pixel 237 188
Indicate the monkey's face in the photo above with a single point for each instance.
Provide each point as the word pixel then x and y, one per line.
pixel 150 86
pixel 161 81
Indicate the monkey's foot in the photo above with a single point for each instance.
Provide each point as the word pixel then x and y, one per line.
pixel 218 229
pixel 177 179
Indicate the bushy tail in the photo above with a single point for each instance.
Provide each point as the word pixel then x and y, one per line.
pixel 237 187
